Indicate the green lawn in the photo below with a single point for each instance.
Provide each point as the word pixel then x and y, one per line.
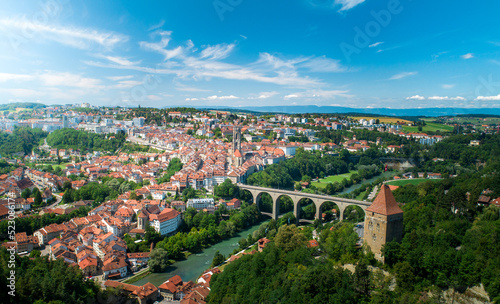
pixel 429 127
pixel 62 166
pixel 332 179
pixel 414 181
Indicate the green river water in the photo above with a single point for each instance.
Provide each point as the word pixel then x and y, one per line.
pixel 192 267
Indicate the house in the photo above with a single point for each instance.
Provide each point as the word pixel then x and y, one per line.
pixel 147 293
pixel 115 267
pixel 234 204
pixel 262 243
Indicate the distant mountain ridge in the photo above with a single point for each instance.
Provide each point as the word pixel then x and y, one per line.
pixel 377 111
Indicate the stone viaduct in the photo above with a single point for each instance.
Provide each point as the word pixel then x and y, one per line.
pixel 296 197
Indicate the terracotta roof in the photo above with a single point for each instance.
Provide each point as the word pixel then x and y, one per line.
pixel 385 203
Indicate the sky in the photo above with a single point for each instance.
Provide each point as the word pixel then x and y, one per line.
pixel 238 53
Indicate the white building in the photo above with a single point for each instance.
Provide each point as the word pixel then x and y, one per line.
pixel 166 222
pixel 200 203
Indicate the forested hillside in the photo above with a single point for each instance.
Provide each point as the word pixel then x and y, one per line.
pixel 85 141
pixel 22 139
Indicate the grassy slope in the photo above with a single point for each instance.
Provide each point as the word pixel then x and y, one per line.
pixel 333 179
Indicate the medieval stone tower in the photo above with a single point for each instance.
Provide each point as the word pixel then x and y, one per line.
pixel 383 222
pixel 236 157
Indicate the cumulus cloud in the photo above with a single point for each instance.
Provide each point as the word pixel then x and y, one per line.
pixel 446 98
pixel 415 97
pixel 488 98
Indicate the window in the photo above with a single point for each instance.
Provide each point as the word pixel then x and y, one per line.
pixel 378 227
pixel 374 237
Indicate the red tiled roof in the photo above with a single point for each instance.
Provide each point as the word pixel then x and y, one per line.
pixel 385 203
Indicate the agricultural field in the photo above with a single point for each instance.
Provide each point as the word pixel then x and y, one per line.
pixel 414 181
pixel 429 127
pixel 332 179
pixel 389 120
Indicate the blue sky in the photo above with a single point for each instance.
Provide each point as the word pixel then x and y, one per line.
pixel 353 53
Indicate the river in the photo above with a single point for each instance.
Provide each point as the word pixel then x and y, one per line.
pixel 192 267
pixel 368 181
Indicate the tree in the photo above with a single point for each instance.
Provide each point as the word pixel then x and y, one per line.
pixel 158 260
pixel 218 259
pixel 289 238
pixel 38 198
pixel 26 193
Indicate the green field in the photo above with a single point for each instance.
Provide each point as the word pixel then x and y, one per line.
pixel 414 181
pixel 429 127
pixel 332 179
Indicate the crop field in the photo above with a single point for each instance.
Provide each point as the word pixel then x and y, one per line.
pixel 429 127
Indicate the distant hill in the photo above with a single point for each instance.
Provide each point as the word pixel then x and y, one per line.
pixel 378 111
pixel 26 105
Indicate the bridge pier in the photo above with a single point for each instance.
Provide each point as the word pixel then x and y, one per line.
pixel 296 211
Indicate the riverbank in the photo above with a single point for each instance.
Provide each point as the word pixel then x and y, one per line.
pixel 194 265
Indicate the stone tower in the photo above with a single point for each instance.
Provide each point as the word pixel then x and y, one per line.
pixel 236 138
pixel 142 221
pixel 383 222
pixel 237 157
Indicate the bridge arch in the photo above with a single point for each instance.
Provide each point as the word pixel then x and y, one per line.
pixel 354 214
pixel 284 204
pixel 305 210
pixel 332 210
pixel 247 196
pixel 264 202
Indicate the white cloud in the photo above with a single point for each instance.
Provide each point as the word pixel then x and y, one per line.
pixel 265 95
pixel 82 38
pixel 322 64
pixel 467 56
pixel 207 64
pixel 402 75
pixel 448 86
pixel 318 94
pixel 22 92
pixel 215 97
pixel 159 47
pixel 119 60
pixel 375 44
pixel 126 84
pixel 116 78
pixel 446 98
pixel 70 80
pixel 154 97
pixel 9 76
pixel 488 98
pixel 348 4
pixel 291 96
pixel 219 51
pixel 415 97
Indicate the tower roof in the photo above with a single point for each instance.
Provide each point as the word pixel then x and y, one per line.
pixel 385 203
